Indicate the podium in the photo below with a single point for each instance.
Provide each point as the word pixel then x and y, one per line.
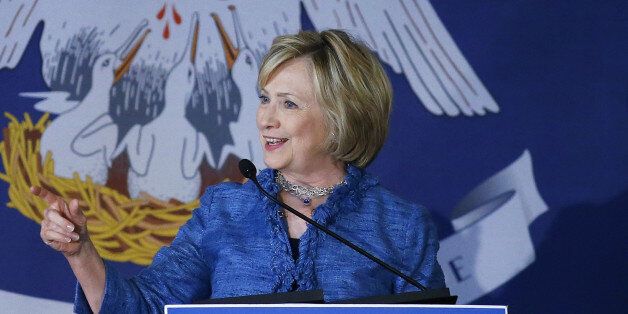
pixel 310 302
pixel 334 309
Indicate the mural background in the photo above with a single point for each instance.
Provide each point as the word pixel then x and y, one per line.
pixel 556 69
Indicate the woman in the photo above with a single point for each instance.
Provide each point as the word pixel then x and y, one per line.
pixel 323 116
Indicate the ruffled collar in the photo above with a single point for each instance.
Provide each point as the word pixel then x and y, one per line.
pixel 345 197
pixel 358 181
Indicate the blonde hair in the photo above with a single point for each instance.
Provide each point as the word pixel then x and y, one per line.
pixel 349 83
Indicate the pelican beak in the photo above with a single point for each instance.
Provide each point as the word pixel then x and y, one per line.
pixel 231 52
pixel 194 43
pixel 128 59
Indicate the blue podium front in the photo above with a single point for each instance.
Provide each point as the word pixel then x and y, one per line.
pixel 334 309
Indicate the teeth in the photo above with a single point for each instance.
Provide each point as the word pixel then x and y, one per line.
pixel 274 140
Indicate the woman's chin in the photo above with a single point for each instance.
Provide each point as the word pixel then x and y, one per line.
pixel 273 162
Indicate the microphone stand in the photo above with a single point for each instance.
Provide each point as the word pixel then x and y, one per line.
pixel 423 296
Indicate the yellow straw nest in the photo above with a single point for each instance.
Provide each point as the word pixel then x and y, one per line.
pixel 121 228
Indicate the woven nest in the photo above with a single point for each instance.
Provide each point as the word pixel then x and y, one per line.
pixel 122 229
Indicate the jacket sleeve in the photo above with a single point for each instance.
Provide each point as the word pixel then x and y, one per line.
pixel 178 274
pixel 420 253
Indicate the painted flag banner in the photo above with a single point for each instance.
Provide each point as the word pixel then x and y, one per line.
pixel 508 124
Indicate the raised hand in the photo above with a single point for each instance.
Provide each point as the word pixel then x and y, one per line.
pixel 64 226
pixel 64 229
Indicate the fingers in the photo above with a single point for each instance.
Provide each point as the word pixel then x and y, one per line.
pixel 53 232
pixel 56 202
pixel 76 213
pixel 52 199
pixel 44 194
pixel 51 236
pixel 55 217
pixel 62 222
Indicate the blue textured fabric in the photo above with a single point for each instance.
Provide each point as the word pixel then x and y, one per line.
pixel 236 244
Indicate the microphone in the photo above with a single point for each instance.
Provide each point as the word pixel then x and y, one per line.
pixel 248 170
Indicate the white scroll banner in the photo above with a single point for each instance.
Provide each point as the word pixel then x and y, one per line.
pixel 492 242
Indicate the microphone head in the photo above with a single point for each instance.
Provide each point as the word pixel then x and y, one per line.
pixel 247 168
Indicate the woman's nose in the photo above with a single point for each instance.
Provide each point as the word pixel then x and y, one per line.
pixel 267 117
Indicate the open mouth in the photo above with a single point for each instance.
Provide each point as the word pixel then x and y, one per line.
pixel 129 49
pixel 274 142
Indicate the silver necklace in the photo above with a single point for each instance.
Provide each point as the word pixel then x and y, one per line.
pixel 304 192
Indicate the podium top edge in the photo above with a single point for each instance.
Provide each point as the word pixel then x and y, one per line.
pixel 305 305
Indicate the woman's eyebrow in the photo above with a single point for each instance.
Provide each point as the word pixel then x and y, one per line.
pixel 287 94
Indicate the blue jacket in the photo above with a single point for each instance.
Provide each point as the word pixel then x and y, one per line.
pixel 236 244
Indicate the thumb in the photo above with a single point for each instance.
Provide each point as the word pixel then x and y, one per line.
pixel 76 214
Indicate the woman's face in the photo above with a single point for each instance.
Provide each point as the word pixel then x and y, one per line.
pixel 290 121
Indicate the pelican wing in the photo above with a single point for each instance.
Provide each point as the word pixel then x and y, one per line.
pixel 18 20
pixel 55 102
pixel 99 134
pixel 194 149
pixel 409 36
pixel 140 148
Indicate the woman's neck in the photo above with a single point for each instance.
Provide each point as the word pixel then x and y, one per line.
pixel 325 176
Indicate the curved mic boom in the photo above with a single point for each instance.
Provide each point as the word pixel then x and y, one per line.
pixel 248 170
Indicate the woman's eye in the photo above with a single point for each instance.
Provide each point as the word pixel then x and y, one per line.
pixel 290 105
pixel 263 99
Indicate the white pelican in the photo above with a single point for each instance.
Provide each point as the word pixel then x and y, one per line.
pixel 165 153
pixel 82 138
pixel 243 68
